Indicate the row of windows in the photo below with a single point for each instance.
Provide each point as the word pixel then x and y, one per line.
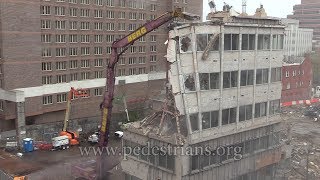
pixel 85 38
pixel 230 79
pixel 74 12
pixel 297 84
pixel 223 154
pixel 60 98
pixel 63 78
pixel 62 52
pixel 133 4
pixel 232 42
pixel 229 116
pixel 294 73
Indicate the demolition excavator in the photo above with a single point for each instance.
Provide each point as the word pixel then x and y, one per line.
pixel 118 48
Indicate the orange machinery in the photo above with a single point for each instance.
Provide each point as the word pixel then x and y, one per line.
pixel 73 137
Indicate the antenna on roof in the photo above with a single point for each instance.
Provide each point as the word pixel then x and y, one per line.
pixel 244 6
pixel 212 6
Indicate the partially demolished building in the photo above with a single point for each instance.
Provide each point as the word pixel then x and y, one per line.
pixel 225 78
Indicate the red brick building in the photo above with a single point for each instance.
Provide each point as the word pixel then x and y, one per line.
pixel 296 79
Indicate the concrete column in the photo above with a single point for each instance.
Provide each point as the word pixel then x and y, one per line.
pixel 20 123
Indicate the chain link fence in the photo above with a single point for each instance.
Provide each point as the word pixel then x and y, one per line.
pixel 5 176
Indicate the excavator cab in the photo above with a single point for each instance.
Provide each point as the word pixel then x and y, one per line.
pixel 72 136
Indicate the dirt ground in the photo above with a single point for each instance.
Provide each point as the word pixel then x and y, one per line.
pixel 52 165
pixel 305 144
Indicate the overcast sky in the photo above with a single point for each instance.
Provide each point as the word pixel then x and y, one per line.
pixel 275 8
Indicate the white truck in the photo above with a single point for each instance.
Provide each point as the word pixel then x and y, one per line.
pixel 60 142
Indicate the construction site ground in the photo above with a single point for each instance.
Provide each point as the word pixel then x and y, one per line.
pixel 305 137
pixel 52 165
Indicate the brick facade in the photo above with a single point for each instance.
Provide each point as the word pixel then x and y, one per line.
pixel 297 81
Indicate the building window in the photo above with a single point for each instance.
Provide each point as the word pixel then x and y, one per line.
pixel 110 38
pixel 142 70
pixel 60 24
pixel 110 14
pixel 110 3
pixel 60 38
pixel 153 7
pixel 248 41
pixel 60 11
pixel 73 12
pixel 73 51
pixel 122 61
pixel 262 76
pixel 132 60
pixel 153 38
pixel 85 63
pixel 229 116
pixel 121 72
pixel 73 25
pixel 98 62
pixel 287 74
pixel 294 73
pixel 142 16
pixel 132 15
pixel 45 24
pixel 133 49
pixel 45 10
pixel 210 119
pixel 85 75
pixel 274 107
pixel 46 66
pixel 202 43
pixel 85 25
pixel 152 16
pixel 86 2
pixel 73 1
pixel 73 64
pixel 288 85
pixel 153 58
pixel 132 71
pixel 209 81
pixel 61 65
pixel 122 15
pixel 231 42
pixel 98 92
pixel 61 78
pixel 142 60
pixel 98 38
pixel 73 38
pixel 142 39
pixel 153 68
pixel 46 38
pixel 263 41
pixel 74 77
pixel 260 109
pixel 132 27
pixel 109 50
pixel 98 2
pixel 46 80
pixel 85 51
pixel 277 42
pixel 276 74
pixel 194 121
pixel 98 13
pixel 110 27
pixel 47 100
pixel 153 48
pixel 98 74
pixel 122 26
pixel 245 113
pixel 61 98
pixel 61 52
pixel 97 50
pixel 247 77
pixel 46 52
pixel 230 79
pixel 122 3
pixel 84 12
pixel 98 26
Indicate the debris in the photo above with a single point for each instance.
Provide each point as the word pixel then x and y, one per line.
pixel 19 154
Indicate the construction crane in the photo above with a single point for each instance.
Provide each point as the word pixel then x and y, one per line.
pixel 124 44
pixel 73 137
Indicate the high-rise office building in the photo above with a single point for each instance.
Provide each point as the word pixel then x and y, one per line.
pixel 48 46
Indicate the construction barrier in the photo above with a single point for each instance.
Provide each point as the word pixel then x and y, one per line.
pixel 307 102
pixel 5 176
